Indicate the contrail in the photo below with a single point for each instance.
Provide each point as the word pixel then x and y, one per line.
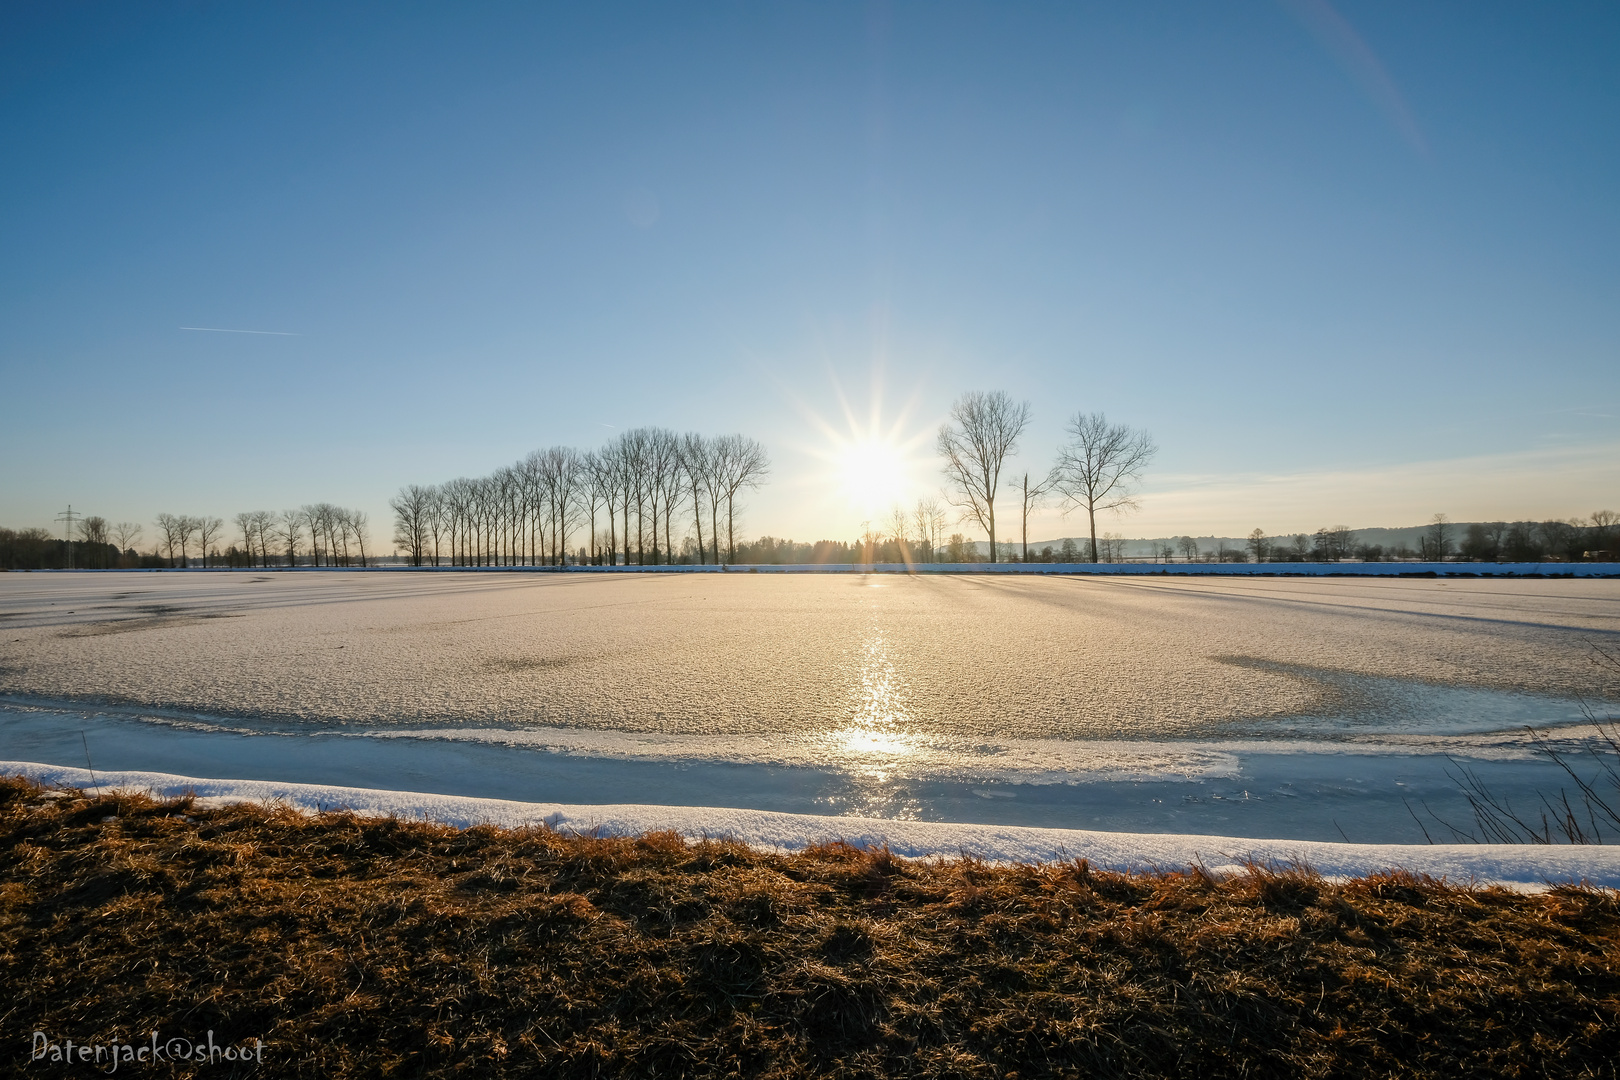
pixel 1359 62
pixel 222 330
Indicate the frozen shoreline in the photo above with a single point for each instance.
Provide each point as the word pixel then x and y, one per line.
pixel 1308 789
pixel 1519 867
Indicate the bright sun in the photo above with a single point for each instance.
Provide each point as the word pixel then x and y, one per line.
pixel 871 474
pixel 873 462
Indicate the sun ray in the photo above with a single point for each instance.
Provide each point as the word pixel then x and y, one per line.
pixel 874 458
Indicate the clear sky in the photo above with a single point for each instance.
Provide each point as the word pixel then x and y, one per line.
pixel 1351 263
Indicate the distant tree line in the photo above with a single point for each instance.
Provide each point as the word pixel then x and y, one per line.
pixel 629 502
pixel 1596 537
pixel 37 549
pixel 1574 540
pixel 94 544
pixel 317 535
pixel 320 534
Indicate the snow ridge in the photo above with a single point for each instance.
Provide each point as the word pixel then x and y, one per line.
pixel 1520 867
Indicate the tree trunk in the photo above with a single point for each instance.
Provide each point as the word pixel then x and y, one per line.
pixel 697 513
pixel 714 527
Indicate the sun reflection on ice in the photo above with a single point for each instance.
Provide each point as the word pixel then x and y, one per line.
pixel 876 735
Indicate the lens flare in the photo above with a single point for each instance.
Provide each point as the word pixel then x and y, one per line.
pixel 872 464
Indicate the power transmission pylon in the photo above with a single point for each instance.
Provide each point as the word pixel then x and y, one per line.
pixel 69 517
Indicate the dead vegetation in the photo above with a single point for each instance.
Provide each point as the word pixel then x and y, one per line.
pixel 370 947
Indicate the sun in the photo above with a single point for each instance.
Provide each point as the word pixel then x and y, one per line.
pixel 872 459
pixel 872 474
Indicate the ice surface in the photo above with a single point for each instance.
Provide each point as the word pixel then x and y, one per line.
pixel 1304 707
pixel 868 664
pixel 1359 789
pixel 1518 866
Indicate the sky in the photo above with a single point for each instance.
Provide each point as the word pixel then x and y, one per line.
pixel 1349 263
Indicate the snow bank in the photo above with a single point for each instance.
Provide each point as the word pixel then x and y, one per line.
pixel 1523 867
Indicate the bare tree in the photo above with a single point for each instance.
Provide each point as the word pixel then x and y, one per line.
pixel 561 478
pixel 1260 546
pixel 1188 547
pixel 631 458
pixel 596 486
pixel 694 468
pixel 93 535
pixel 245 525
pixel 185 528
pixel 1100 466
pixel 453 497
pixel 714 485
pixel 126 534
pixel 984 428
pixel 318 517
pixel 1335 543
pixel 358 523
pixel 900 532
pixel 742 464
pixel 1031 494
pixel 571 481
pixel 925 537
pixel 615 473
pixel 290 532
pixel 666 482
pixel 412 509
pixel 870 539
pixel 208 530
pixel 928 517
pixel 169 526
pixel 437 520
pixel 1436 542
pixel 264 529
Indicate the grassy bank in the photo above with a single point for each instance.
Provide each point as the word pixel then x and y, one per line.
pixel 363 947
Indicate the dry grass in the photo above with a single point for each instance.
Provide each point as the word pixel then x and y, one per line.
pixel 364 947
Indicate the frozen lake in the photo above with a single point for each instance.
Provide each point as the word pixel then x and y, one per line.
pixel 1308 708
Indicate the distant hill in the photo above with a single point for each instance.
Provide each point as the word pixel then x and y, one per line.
pixel 1149 546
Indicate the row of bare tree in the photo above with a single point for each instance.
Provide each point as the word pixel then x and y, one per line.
pixel 1097 469
pixel 335 535
pixel 627 497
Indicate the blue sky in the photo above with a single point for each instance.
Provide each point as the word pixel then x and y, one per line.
pixel 1353 263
